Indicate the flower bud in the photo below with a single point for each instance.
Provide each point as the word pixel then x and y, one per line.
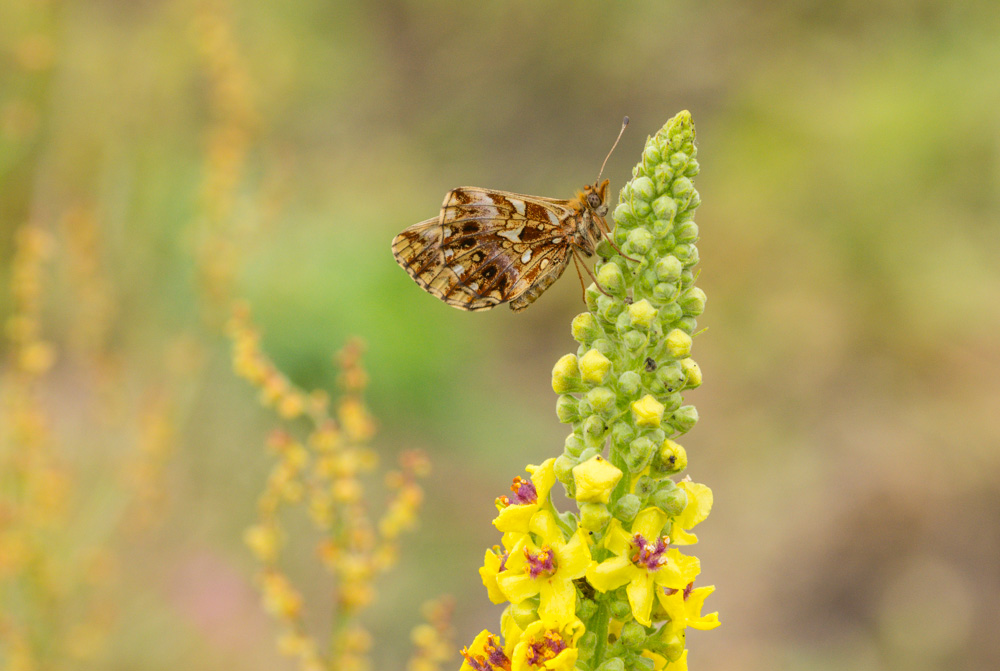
pixel 601 399
pixel 662 228
pixel 567 409
pixel 622 433
pixel 594 366
pixel 671 375
pixel 593 430
pixel 524 613
pixel 669 268
pixel 566 375
pixel 585 609
pixel 644 486
pixel 620 608
pixel 639 241
pixel 611 278
pixel 594 516
pixel 585 328
pixel 648 412
pixel 687 232
pixel 603 345
pixel 692 373
pixel 663 174
pixel 672 457
pixel 633 635
pixel 609 308
pixel 591 295
pixel 684 253
pixel 634 340
pixel 671 499
pixel 573 445
pixel 641 314
pixel 684 418
pixel 692 301
pixel 682 189
pixel 670 313
pixel 640 452
pixel 665 207
pixel 627 508
pixel 624 215
pixel 629 383
pixel 664 292
pixel 687 324
pixel 678 344
pixel 643 188
pixel 594 479
pixel 587 644
pixel 563 468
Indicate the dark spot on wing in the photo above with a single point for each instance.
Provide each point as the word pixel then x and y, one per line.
pixel 470 228
pixel 489 272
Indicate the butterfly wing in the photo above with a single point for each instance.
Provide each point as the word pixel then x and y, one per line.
pixel 488 247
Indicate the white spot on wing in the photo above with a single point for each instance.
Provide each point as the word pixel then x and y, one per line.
pixel 552 217
pixel 526 256
pixel 458 268
pixel 518 205
pixel 514 235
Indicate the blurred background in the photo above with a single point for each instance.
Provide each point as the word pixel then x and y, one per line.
pixel 170 156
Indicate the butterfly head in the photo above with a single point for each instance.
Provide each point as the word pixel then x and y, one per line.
pixel 595 198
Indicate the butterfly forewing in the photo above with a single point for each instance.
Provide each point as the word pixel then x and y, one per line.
pixel 489 247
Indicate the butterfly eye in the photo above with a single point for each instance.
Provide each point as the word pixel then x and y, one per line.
pixel 594 201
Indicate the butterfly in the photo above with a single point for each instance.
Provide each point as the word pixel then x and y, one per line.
pixel 488 247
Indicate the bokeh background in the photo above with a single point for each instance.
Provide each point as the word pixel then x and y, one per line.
pixel 180 154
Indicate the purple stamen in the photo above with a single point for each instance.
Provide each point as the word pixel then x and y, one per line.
pixel 650 556
pixel 542 562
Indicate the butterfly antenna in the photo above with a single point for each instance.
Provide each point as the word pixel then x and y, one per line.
pixel 624 125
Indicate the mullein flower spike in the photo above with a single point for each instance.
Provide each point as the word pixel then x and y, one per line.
pixel 608 588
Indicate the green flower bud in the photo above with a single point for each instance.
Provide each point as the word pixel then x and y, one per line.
pixel 585 609
pixel 585 328
pixel 670 313
pixel 672 501
pixel 591 295
pixel 692 168
pixel 687 324
pixel 665 208
pixel 588 454
pixel 640 453
pixel 609 308
pixel 684 418
pixel 629 383
pixel 619 607
pixel 611 278
pixel 524 613
pixel 633 635
pixel 692 373
pixel 594 516
pixel 692 301
pixel 613 664
pixel 567 409
pixel 678 345
pixel 624 322
pixel 566 375
pixel 642 187
pixel 671 375
pixel 583 407
pixel 603 345
pixel 573 445
pixel 687 232
pixel 639 241
pixel 634 340
pixel 593 429
pixel 624 215
pixel 650 155
pixel 627 508
pixel 594 367
pixel 672 401
pixel 671 458
pixel 563 468
pixel 679 161
pixel 684 252
pixel 663 174
pixel 695 201
pixel 601 399
pixel 662 228
pixel 622 433
pixel 644 486
pixel 669 268
pixel 664 292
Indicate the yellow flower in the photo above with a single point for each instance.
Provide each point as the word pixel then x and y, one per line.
pixel 594 367
pixel 547 646
pixel 642 561
pixel 698 507
pixel 594 479
pixel 547 569
pixel 528 497
pixel 683 607
pixel 495 563
pixel 485 654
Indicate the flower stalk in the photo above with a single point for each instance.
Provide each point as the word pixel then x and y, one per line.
pixel 622 392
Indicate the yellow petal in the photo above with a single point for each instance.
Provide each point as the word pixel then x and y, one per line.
pixel 594 479
pixel 648 412
pixel 649 523
pixel 611 573
pixel 640 597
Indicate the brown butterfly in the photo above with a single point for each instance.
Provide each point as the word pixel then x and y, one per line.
pixel 489 247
